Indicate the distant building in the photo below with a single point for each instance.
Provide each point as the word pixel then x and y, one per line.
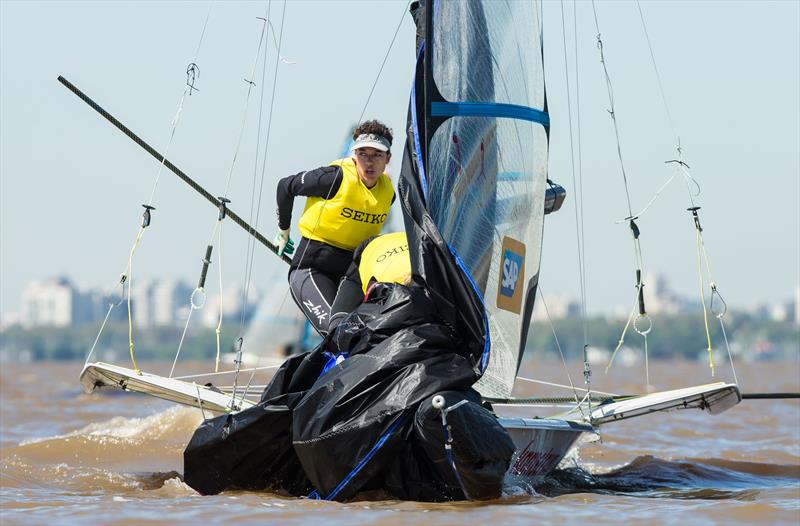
pixel 169 302
pixel 659 298
pixel 143 303
pixel 558 307
pixel 56 302
pixel 231 302
pixel 797 306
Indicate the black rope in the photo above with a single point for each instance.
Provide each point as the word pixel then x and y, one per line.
pixel 174 169
pixel 551 400
pixel 608 399
pixel 769 396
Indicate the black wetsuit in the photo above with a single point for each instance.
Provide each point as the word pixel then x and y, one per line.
pixel 316 266
pixel 350 293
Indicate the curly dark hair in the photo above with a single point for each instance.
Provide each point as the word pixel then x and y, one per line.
pixel 373 126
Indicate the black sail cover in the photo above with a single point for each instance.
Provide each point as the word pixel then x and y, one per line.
pixel 471 184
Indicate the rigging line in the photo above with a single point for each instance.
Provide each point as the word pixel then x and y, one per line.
pixel 558 345
pixel 174 169
pixel 250 85
pixel 192 71
pixel 183 336
pixel 129 274
pixel 562 386
pixel 612 111
pixel 728 347
pixel 578 213
pixel 250 247
pixel 111 305
pixel 218 329
pixel 579 234
pixel 220 373
pixel 275 42
pixel 699 241
pixel 658 76
pixel 249 273
pixel 385 58
pixel 683 167
pixel 216 231
pixel 622 337
pixel 638 259
pixel 187 90
pixel 652 200
pixel 254 386
pixel 579 199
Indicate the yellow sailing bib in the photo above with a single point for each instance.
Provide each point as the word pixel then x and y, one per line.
pixel 352 215
pixel 386 259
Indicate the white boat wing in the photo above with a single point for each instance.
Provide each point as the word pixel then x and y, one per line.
pixel 103 375
pixel 714 398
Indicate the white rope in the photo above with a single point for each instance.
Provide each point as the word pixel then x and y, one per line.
pixel 652 200
pixel 200 401
pixel 193 306
pixel 216 231
pixel 562 386
pixel 230 388
pixel 576 185
pixel 612 111
pixel 218 330
pixel 102 326
pixel 255 206
pixel 658 76
pixel 220 373
pixel 128 274
pixel 250 85
pixel 728 347
pixel 558 344
pixel 385 58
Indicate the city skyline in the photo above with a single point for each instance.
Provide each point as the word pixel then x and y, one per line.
pixel 58 301
pixel 71 187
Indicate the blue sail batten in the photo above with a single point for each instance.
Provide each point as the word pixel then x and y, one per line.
pixel 415 128
pixel 498 110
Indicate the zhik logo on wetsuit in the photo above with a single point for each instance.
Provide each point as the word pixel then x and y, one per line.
pixel 512 263
pixel 364 217
pixel 316 310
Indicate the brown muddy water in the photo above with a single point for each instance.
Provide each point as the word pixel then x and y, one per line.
pixel 72 458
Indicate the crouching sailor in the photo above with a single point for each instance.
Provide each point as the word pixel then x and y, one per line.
pixel 346 203
pixel 381 259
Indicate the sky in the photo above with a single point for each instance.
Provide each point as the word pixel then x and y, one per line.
pixel 71 185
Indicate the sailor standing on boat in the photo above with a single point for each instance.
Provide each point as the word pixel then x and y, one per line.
pixel 346 203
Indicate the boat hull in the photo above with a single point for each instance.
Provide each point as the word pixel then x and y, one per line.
pixel 541 444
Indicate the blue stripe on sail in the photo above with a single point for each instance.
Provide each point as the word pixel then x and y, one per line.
pixel 415 129
pixel 514 176
pixel 364 460
pixel 463 266
pixel 485 109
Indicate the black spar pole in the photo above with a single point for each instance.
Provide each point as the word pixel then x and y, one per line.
pixel 177 171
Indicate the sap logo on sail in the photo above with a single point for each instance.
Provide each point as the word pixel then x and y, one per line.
pixel 512 264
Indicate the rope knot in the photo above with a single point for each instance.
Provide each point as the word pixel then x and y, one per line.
pixel 192 74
